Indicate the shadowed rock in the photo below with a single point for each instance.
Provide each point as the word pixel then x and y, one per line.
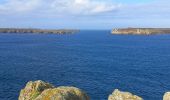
pixel 166 96
pixel 40 90
pixel 119 95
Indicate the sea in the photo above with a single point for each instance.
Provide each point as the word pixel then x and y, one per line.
pixel 93 60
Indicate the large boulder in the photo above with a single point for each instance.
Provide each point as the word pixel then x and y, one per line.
pixel 119 95
pixel 166 96
pixel 63 93
pixel 40 90
pixel 33 89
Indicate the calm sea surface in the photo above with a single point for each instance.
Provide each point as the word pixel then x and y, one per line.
pixel 94 61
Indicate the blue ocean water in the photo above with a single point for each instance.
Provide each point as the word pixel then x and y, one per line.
pixel 94 61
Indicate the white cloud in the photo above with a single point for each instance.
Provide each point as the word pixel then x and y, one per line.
pixel 78 7
pixel 24 6
pixel 151 10
pixel 78 13
pixel 85 7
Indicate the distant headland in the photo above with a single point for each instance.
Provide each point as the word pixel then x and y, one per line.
pixel 39 31
pixel 141 31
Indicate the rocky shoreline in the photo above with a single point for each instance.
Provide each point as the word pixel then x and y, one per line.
pixel 38 31
pixel 40 90
pixel 141 31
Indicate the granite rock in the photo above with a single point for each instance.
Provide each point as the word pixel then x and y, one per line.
pixel 40 90
pixel 166 96
pixel 119 95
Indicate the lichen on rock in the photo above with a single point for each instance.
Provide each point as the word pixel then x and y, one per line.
pixel 40 90
pixel 33 89
pixel 166 96
pixel 63 93
pixel 119 95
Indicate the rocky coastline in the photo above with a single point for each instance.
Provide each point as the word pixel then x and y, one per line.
pixel 37 31
pixel 141 31
pixel 40 90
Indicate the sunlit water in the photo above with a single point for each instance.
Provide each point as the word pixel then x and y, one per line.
pixel 94 61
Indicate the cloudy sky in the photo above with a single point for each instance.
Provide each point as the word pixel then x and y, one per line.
pixel 84 14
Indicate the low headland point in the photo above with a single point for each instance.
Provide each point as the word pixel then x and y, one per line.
pixel 141 31
pixel 40 31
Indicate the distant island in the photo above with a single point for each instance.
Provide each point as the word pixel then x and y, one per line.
pixel 141 31
pixel 40 31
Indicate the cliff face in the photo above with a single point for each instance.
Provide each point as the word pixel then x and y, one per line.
pixel 40 90
pixel 144 31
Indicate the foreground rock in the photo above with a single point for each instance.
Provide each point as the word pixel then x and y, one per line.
pixel 118 95
pixel 166 96
pixel 33 89
pixel 63 93
pixel 40 90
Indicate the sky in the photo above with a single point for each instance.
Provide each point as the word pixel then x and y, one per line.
pixel 84 14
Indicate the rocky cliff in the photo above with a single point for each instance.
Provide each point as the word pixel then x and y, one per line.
pixel 39 90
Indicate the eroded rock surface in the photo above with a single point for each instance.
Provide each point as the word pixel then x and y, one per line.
pixel 33 89
pixel 119 95
pixel 63 93
pixel 40 90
